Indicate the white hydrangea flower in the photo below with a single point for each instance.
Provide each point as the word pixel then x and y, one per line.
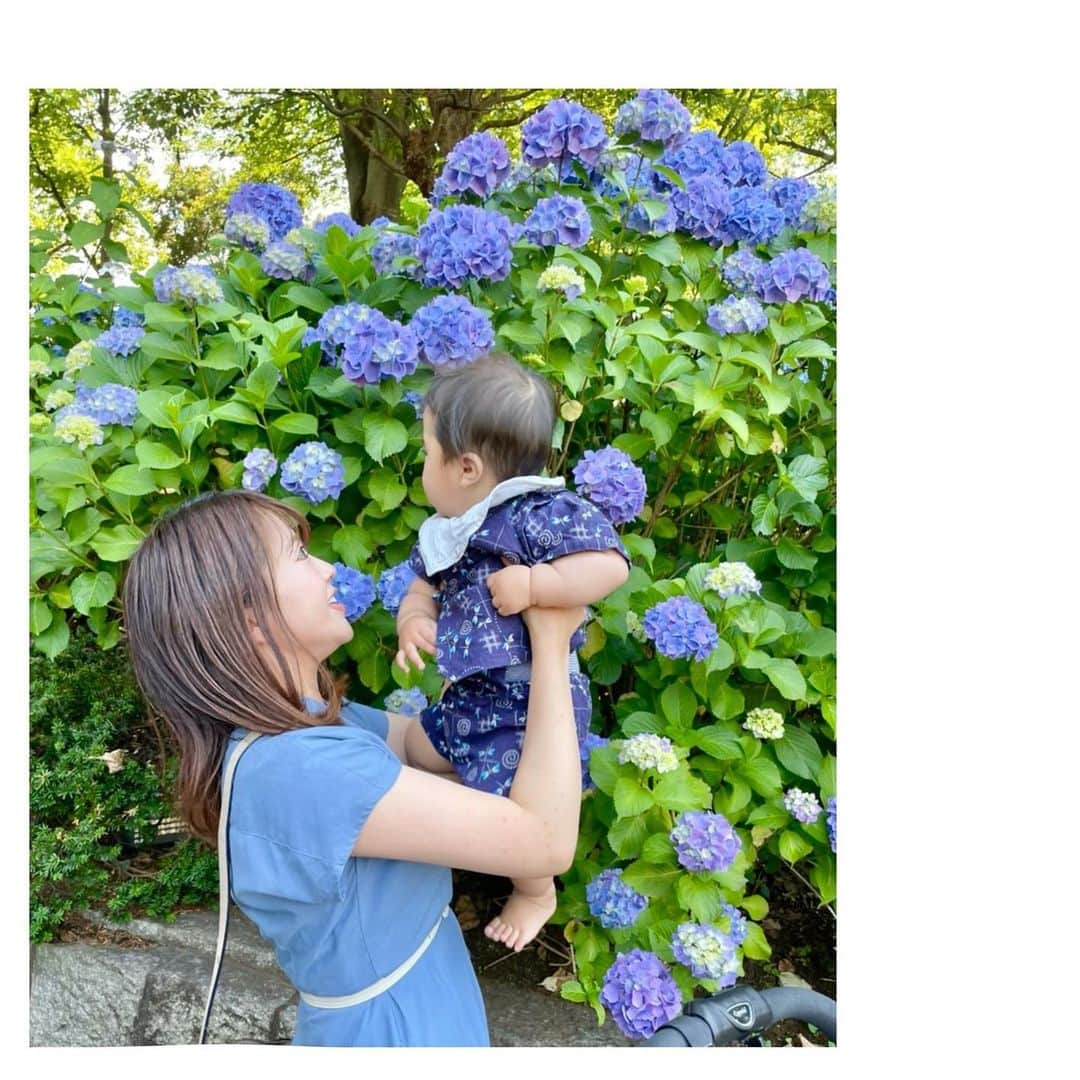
pixel 75 427
pixel 78 357
pixel 764 724
pixel 649 751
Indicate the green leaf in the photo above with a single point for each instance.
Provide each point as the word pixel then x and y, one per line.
pixel 785 675
pixel 349 543
pixel 757 907
pixel 660 425
pixel 718 742
pixel 131 480
pixel 679 790
pixel 386 489
pixel 631 798
pixel 658 850
pixel 810 347
pixel 651 881
pixel 222 356
pixel 83 524
pixel 83 233
pixel 604 768
pixel 793 847
pixel 762 775
pixel 754 945
pixel 794 556
pixel 665 251
pixel 571 990
pixel 679 704
pixel 161 347
pixel 41 615
pixel 770 815
pixel 105 194
pixel 626 835
pixel 312 299
pixel 823 878
pixel 155 455
pixel 521 333
pixel 263 380
pixel 701 897
pixel 236 412
pixel 572 326
pixel 734 421
pixel 165 317
pixel 60 465
pixel 296 423
pixel 777 399
pixel 383 435
pixel 151 404
pixel 808 475
pixel 640 547
pixel 92 590
pixel 53 641
pixel 671 174
pixel 641 723
pixel 798 752
pixel 118 543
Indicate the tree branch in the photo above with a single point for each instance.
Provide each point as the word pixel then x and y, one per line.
pixel 50 183
pixel 373 150
pixel 828 158
pixel 340 112
pixel 509 121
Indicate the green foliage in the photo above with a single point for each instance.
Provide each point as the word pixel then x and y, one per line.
pixel 735 436
pixel 98 793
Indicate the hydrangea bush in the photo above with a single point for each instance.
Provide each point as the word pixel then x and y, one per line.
pixel 682 306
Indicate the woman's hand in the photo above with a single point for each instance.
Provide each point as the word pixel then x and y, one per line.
pixel 552 626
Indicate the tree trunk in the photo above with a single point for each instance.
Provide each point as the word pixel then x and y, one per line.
pixel 374 188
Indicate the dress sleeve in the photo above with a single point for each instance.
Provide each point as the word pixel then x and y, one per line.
pixel 308 796
pixel 365 716
pixel 416 564
pixel 565 524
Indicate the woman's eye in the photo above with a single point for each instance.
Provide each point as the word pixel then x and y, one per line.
pixel 303 551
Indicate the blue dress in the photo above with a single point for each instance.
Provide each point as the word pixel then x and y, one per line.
pixel 338 923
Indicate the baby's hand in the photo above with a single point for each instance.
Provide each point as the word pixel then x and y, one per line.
pixel 510 591
pixel 417 632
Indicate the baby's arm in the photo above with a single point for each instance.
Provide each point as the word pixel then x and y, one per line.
pixel 569 581
pixel 417 619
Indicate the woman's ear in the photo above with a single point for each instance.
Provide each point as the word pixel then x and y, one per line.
pixel 253 628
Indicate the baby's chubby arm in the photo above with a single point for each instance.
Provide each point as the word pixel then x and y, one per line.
pixel 569 581
pixel 417 619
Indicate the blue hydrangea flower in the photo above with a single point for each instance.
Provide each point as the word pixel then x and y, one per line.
pixel 248 231
pixel 656 116
pixel 681 627
pixel 637 218
pixel 707 952
pixel 741 270
pixel 737 315
pixel 110 403
pixel 754 217
pixel 640 993
pixel 416 400
pixel 609 479
pixel 270 203
pixel 120 340
pixel 819 211
pixel 451 331
pixel 377 348
pixel 343 221
pixel 612 901
pixel 703 208
pixel 123 316
pixel 830 820
pixel 465 242
pixel 698 155
pixel 393 584
pixel 704 840
pixel 588 745
pixel 790 194
pixel 396 245
pixel 796 274
pixel 622 171
pixel 407 702
pixel 314 471
pixel 333 328
pixel 286 261
pixel 562 129
pixel 802 805
pixel 192 284
pixel 558 220
pixel 259 466
pixel 732 579
pixel 90 314
pixel 478 163
pixel 736 923
pixel 741 164
pixel 354 589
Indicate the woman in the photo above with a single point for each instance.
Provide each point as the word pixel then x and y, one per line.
pixel 339 850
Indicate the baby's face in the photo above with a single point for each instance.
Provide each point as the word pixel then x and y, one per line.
pixel 444 481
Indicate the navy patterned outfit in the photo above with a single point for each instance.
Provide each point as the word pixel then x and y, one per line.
pixel 478 724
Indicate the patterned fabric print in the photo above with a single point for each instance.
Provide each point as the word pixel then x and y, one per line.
pixel 536 527
pixel 478 725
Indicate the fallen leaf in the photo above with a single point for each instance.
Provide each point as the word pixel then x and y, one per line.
pixel 114 759
pixel 555 980
pixel 789 978
pixel 770 924
pixel 465 910
pixel 785 964
pixel 804 1041
pixel 759 834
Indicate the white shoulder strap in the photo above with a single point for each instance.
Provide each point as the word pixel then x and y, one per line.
pixel 223 874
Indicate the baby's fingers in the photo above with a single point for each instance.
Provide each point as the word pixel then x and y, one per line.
pixel 414 656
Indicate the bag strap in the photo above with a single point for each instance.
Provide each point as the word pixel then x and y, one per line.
pixel 223 875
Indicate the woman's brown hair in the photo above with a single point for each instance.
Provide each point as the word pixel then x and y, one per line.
pixel 187 593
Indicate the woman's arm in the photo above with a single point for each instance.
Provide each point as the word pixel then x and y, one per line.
pixel 530 833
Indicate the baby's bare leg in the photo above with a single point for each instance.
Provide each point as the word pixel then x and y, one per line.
pixel 530 906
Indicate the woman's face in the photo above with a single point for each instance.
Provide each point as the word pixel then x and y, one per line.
pixel 306 594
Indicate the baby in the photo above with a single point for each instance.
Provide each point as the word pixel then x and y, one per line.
pixel 487 435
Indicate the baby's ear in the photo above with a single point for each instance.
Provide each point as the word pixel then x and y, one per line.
pixel 472 468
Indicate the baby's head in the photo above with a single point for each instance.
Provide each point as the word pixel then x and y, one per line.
pixel 483 423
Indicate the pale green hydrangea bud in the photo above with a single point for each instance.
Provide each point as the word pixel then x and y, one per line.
pixel 39 423
pixel 38 368
pixel 567 280
pixel 57 399
pixel 635 628
pixel 636 284
pixel 75 427
pixel 764 724
pixel 78 357
pixel 649 751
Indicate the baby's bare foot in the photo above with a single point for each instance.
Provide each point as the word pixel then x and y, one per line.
pixel 521 919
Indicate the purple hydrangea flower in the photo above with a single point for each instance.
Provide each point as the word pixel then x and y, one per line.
pixel 286 261
pixel 451 331
pixel 609 479
pixel 802 805
pixel 562 129
pixel 640 993
pixel 110 403
pixel 393 584
pixel 248 231
pixel 656 116
pixel 797 274
pixel 707 952
pixel 830 820
pixel 703 209
pixel 333 329
pixel 612 901
pixel 377 348
pixel 737 315
pixel 790 194
pixel 123 316
pixel 637 218
pixel 343 221
pixel 754 217
pixel 259 466
pixel 354 589
pixel 396 245
pixel 120 340
pixel 741 164
pixel 741 270
pixel 275 205
pixel 681 627
pixel 704 840
pixel 698 155
pixel 314 471
pixel 192 284
pixel 478 163
pixel 588 744
pixel 736 923
pixel 558 220
pixel 407 702
pixel 465 242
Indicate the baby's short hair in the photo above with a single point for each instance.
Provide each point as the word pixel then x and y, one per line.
pixel 497 408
